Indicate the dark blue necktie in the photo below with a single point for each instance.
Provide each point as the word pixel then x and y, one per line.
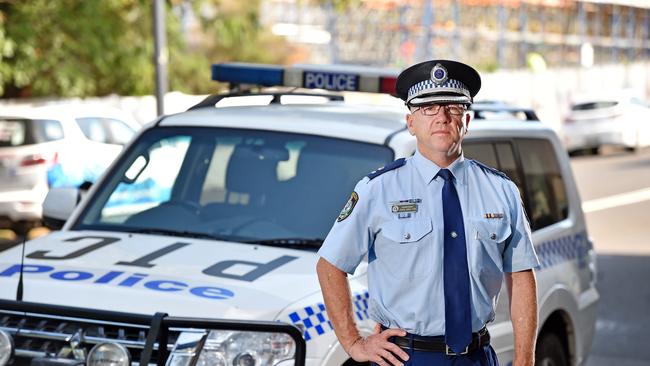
pixel 458 325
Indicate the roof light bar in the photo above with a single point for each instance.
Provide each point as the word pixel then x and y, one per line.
pixel 335 78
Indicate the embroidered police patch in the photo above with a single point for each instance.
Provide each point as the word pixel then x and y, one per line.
pixel 349 206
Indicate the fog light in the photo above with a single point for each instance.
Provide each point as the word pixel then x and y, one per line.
pixel 6 347
pixel 245 359
pixel 109 354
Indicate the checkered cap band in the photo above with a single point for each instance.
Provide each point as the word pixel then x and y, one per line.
pixel 429 87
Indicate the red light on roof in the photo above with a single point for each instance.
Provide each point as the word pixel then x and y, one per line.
pixel 387 85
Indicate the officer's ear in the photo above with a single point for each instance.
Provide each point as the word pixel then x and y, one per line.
pixel 468 116
pixel 409 123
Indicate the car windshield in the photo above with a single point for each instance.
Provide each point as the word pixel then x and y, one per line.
pixel 235 184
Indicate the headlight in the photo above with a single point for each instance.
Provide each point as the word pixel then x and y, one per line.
pixel 229 348
pixel 6 347
pixel 109 354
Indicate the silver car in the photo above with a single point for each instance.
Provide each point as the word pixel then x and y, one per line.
pixel 622 122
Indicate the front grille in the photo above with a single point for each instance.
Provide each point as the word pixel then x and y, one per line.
pixel 37 335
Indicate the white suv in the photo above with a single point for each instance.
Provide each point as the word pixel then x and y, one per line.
pixel 54 146
pixel 218 213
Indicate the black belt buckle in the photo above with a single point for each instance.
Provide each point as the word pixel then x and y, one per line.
pixel 450 352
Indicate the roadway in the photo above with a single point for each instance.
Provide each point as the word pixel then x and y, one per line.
pixel 615 190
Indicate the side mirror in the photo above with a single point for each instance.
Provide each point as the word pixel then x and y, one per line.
pixel 58 206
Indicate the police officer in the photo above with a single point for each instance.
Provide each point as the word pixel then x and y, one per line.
pixel 439 232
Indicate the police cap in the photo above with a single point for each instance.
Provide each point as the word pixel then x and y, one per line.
pixel 438 81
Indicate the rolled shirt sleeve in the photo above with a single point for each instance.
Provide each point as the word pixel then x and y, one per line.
pixel 519 253
pixel 349 239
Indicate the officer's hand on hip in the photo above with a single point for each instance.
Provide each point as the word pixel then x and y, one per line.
pixel 376 348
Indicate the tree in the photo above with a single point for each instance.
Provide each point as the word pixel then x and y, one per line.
pixel 86 48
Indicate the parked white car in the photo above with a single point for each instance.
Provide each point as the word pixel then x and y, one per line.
pixel 54 146
pixel 622 122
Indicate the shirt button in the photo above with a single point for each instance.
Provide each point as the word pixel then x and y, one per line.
pixel 493 236
pixel 407 236
pixel 453 234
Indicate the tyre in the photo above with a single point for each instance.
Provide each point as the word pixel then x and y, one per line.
pixel 550 351
pixel 21 228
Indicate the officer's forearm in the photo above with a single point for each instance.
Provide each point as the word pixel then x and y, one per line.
pixel 336 293
pixel 522 291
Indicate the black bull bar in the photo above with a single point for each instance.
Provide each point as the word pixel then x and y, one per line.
pixel 159 325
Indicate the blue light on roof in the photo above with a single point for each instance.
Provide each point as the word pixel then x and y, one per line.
pixel 265 75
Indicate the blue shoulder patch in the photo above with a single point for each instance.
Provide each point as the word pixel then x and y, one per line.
pixel 388 167
pixel 490 169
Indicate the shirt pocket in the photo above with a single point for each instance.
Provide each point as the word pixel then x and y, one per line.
pixel 492 236
pixel 403 247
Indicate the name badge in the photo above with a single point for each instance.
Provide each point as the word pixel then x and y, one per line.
pixel 405 208
pixel 496 215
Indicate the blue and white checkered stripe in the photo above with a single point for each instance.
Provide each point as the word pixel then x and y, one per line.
pixel 315 322
pixel 429 86
pixel 564 249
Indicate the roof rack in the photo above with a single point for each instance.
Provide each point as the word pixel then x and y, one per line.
pixel 213 99
pixel 489 111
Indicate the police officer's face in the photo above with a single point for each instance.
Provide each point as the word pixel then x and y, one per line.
pixel 437 127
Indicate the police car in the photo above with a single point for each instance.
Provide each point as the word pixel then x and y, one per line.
pixel 217 214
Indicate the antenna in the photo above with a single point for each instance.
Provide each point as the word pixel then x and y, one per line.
pixel 19 289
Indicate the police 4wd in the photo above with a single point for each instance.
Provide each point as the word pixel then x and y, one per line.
pixel 217 213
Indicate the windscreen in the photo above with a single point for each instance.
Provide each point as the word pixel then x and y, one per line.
pixel 232 183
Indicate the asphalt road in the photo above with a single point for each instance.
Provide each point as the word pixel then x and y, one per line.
pixel 619 224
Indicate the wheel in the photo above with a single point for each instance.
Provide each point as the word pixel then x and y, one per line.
pixel 550 351
pixel 21 228
pixel 636 148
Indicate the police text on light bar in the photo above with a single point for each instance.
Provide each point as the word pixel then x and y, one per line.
pixel 332 78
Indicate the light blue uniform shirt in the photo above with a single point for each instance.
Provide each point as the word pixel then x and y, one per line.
pixel 405 248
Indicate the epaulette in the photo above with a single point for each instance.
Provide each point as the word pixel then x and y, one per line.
pixel 490 169
pixel 388 167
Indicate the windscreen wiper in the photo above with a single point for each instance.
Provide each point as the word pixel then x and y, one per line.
pixel 187 234
pixel 289 242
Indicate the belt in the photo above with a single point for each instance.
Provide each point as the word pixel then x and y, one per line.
pixel 437 343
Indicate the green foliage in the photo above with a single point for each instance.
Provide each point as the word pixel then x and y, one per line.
pixel 98 47
pixel 231 31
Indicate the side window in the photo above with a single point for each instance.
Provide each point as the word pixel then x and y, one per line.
pixel 120 132
pixel 50 130
pixel 499 155
pixel 481 151
pixel 507 163
pixel 547 200
pixel 93 129
pixel 13 133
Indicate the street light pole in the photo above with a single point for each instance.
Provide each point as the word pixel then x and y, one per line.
pixel 160 54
